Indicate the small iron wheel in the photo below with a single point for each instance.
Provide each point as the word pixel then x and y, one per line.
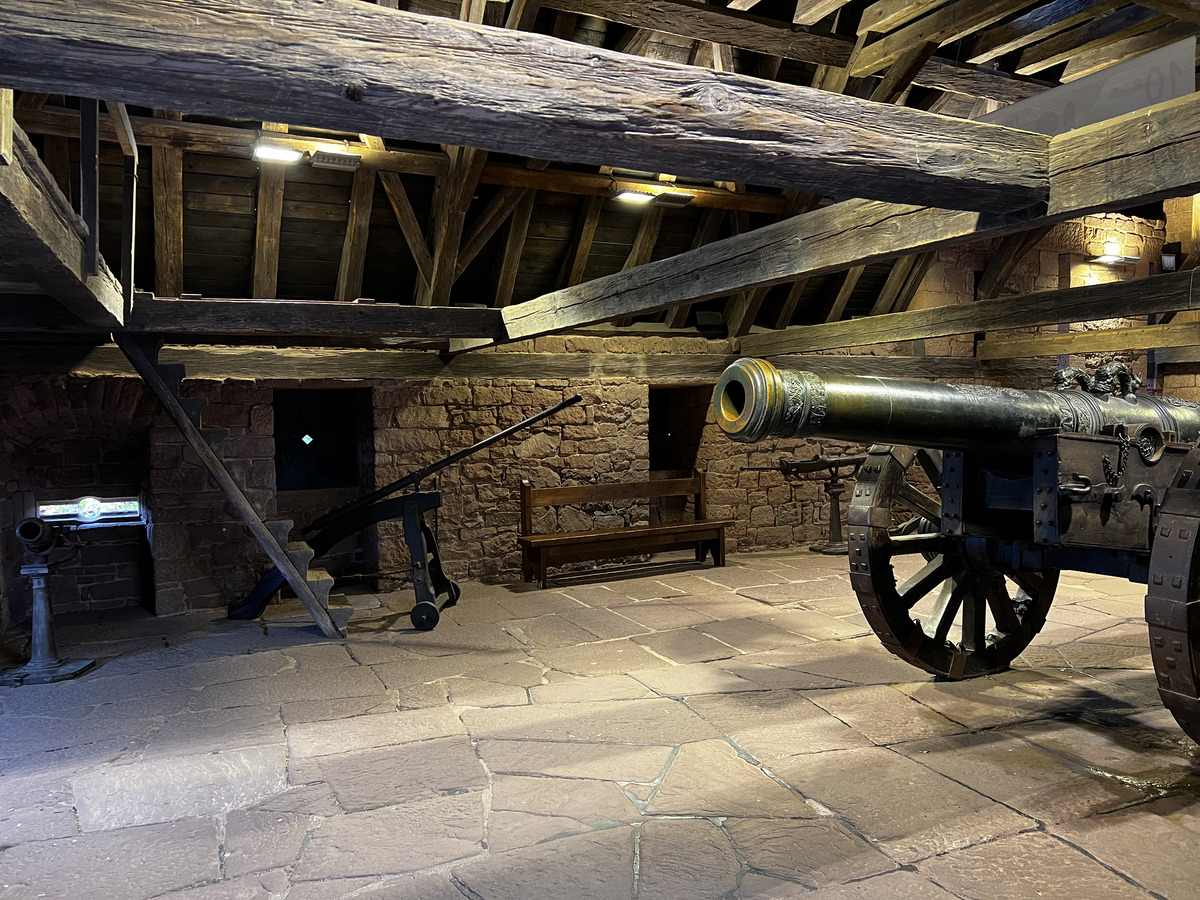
pixel 959 611
pixel 424 616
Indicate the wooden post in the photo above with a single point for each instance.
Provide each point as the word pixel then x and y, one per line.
pixel 6 123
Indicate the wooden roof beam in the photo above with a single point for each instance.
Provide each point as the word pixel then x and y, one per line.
pixel 167 168
pixel 949 23
pixel 311 318
pixel 1147 155
pixel 492 90
pixel 689 19
pixel 1036 25
pixel 268 214
pixel 1094 35
pixel 40 233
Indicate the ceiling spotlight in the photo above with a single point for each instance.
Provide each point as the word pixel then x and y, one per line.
pixel 674 199
pixel 627 195
pixel 277 153
pixel 335 158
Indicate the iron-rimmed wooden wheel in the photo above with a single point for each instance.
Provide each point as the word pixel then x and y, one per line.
pixel 945 604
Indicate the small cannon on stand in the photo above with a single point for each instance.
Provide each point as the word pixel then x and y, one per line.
pixel 45 665
pixel 434 590
pixel 833 466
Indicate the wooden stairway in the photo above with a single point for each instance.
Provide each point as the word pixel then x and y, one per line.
pixel 291 558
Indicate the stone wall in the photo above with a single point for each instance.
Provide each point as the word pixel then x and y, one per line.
pixel 64 438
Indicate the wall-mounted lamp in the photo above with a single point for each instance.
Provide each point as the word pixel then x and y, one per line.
pixel 267 152
pixel 1112 256
pixel 334 157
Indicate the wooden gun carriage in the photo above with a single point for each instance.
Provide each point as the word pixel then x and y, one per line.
pixel 985 494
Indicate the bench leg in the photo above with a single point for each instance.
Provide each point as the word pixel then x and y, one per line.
pixel 719 550
pixel 542 578
pixel 701 551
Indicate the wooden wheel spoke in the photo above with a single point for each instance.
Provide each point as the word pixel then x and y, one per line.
pixel 930 462
pixel 913 499
pixel 1001 605
pixel 904 544
pixel 974 620
pixel 946 609
pixel 1030 582
pixel 931 575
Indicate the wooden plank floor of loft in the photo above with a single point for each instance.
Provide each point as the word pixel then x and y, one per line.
pixel 146 369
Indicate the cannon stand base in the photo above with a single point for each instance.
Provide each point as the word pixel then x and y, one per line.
pixel 45 666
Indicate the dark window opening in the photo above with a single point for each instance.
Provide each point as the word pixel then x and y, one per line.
pixel 677 417
pixel 318 438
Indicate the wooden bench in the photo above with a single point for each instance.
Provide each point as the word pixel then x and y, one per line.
pixel 540 551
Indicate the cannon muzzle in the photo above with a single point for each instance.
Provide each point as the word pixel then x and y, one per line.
pixel 36 535
pixel 755 400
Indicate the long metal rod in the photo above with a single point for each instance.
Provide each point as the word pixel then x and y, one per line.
pixel 421 474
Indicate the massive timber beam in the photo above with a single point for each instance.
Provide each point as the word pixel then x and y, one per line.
pixel 1118 299
pixel 41 234
pixel 363 68
pixel 292 363
pixel 1143 156
pixel 310 318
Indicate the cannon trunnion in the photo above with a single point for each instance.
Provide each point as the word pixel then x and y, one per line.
pixel 962 520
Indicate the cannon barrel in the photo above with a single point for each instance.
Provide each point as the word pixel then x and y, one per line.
pixel 754 400
pixel 36 534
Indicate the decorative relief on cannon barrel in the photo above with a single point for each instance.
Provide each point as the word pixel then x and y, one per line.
pixel 986 391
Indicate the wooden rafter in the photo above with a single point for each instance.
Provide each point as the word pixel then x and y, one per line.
pixel 492 92
pixel 1004 261
pixel 706 232
pixel 643 243
pixel 451 199
pixel 406 217
pixel 581 246
pixel 1145 155
pixel 264 277
pixel 515 245
pixel 788 308
pixel 810 12
pixel 167 167
pixel 6 127
pixel 689 19
pixel 1090 61
pixel 912 282
pixel 358 226
pixel 848 281
pixel 1118 299
pixel 951 22
pixel 1094 35
pixel 1036 25
pixel 1151 337
pixel 884 16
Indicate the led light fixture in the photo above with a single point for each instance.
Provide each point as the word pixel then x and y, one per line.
pixel 626 195
pixel 1112 256
pixel 277 153
pixel 335 158
pixel 674 199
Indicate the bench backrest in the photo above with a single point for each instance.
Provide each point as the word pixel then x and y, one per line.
pixel 532 498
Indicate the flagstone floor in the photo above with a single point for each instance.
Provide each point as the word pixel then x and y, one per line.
pixel 688 732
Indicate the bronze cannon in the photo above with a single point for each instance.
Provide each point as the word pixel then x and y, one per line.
pixel 981 495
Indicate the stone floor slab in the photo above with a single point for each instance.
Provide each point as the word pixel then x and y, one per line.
pixel 604 624
pixel 1048 868
pixel 686 858
pixel 395 840
pixel 602 658
pixel 655 721
pixel 709 778
pixel 882 713
pixel 907 810
pixel 814 852
pixel 596 866
pixel 153 859
pixel 389 776
pixel 177 787
pixel 685 645
pixel 309 739
pixel 257 840
pixel 770 725
pixel 586 690
pixel 611 762
pixel 697 678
